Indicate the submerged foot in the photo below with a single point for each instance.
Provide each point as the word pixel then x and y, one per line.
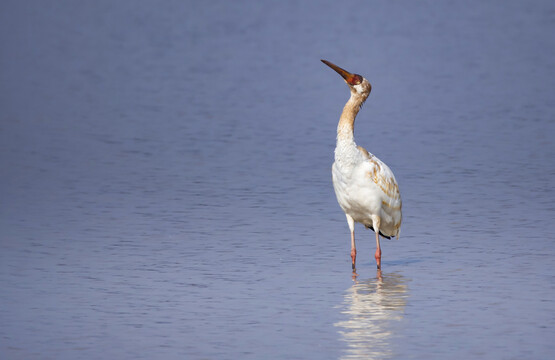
pixel 353 258
pixel 378 256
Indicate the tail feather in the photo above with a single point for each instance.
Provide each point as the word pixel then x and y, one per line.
pixel 397 236
pixel 381 234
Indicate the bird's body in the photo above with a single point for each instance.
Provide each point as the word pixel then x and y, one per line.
pixel 368 188
pixel 365 187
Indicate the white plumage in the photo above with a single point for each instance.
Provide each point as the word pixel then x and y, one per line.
pixel 365 187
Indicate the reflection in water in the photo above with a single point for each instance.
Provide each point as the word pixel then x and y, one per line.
pixel 373 308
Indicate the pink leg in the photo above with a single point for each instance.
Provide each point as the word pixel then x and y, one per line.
pixel 351 223
pixel 378 254
pixel 353 250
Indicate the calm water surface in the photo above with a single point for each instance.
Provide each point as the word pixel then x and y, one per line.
pixel 166 188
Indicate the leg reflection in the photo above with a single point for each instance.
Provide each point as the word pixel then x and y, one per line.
pixel 372 309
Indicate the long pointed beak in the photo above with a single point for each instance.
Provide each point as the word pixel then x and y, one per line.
pixel 350 78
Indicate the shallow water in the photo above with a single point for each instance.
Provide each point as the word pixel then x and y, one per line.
pixel 166 188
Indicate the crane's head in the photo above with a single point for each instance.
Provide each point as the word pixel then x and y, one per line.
pixel 359 85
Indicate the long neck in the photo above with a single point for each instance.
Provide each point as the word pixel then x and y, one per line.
pixel 346 153
pixel 346 126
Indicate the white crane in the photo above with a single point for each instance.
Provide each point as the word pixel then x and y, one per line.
pixel 365 187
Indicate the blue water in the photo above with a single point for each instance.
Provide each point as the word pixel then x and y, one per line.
pixel 166 180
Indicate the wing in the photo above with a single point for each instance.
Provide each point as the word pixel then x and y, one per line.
pixel 379 173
